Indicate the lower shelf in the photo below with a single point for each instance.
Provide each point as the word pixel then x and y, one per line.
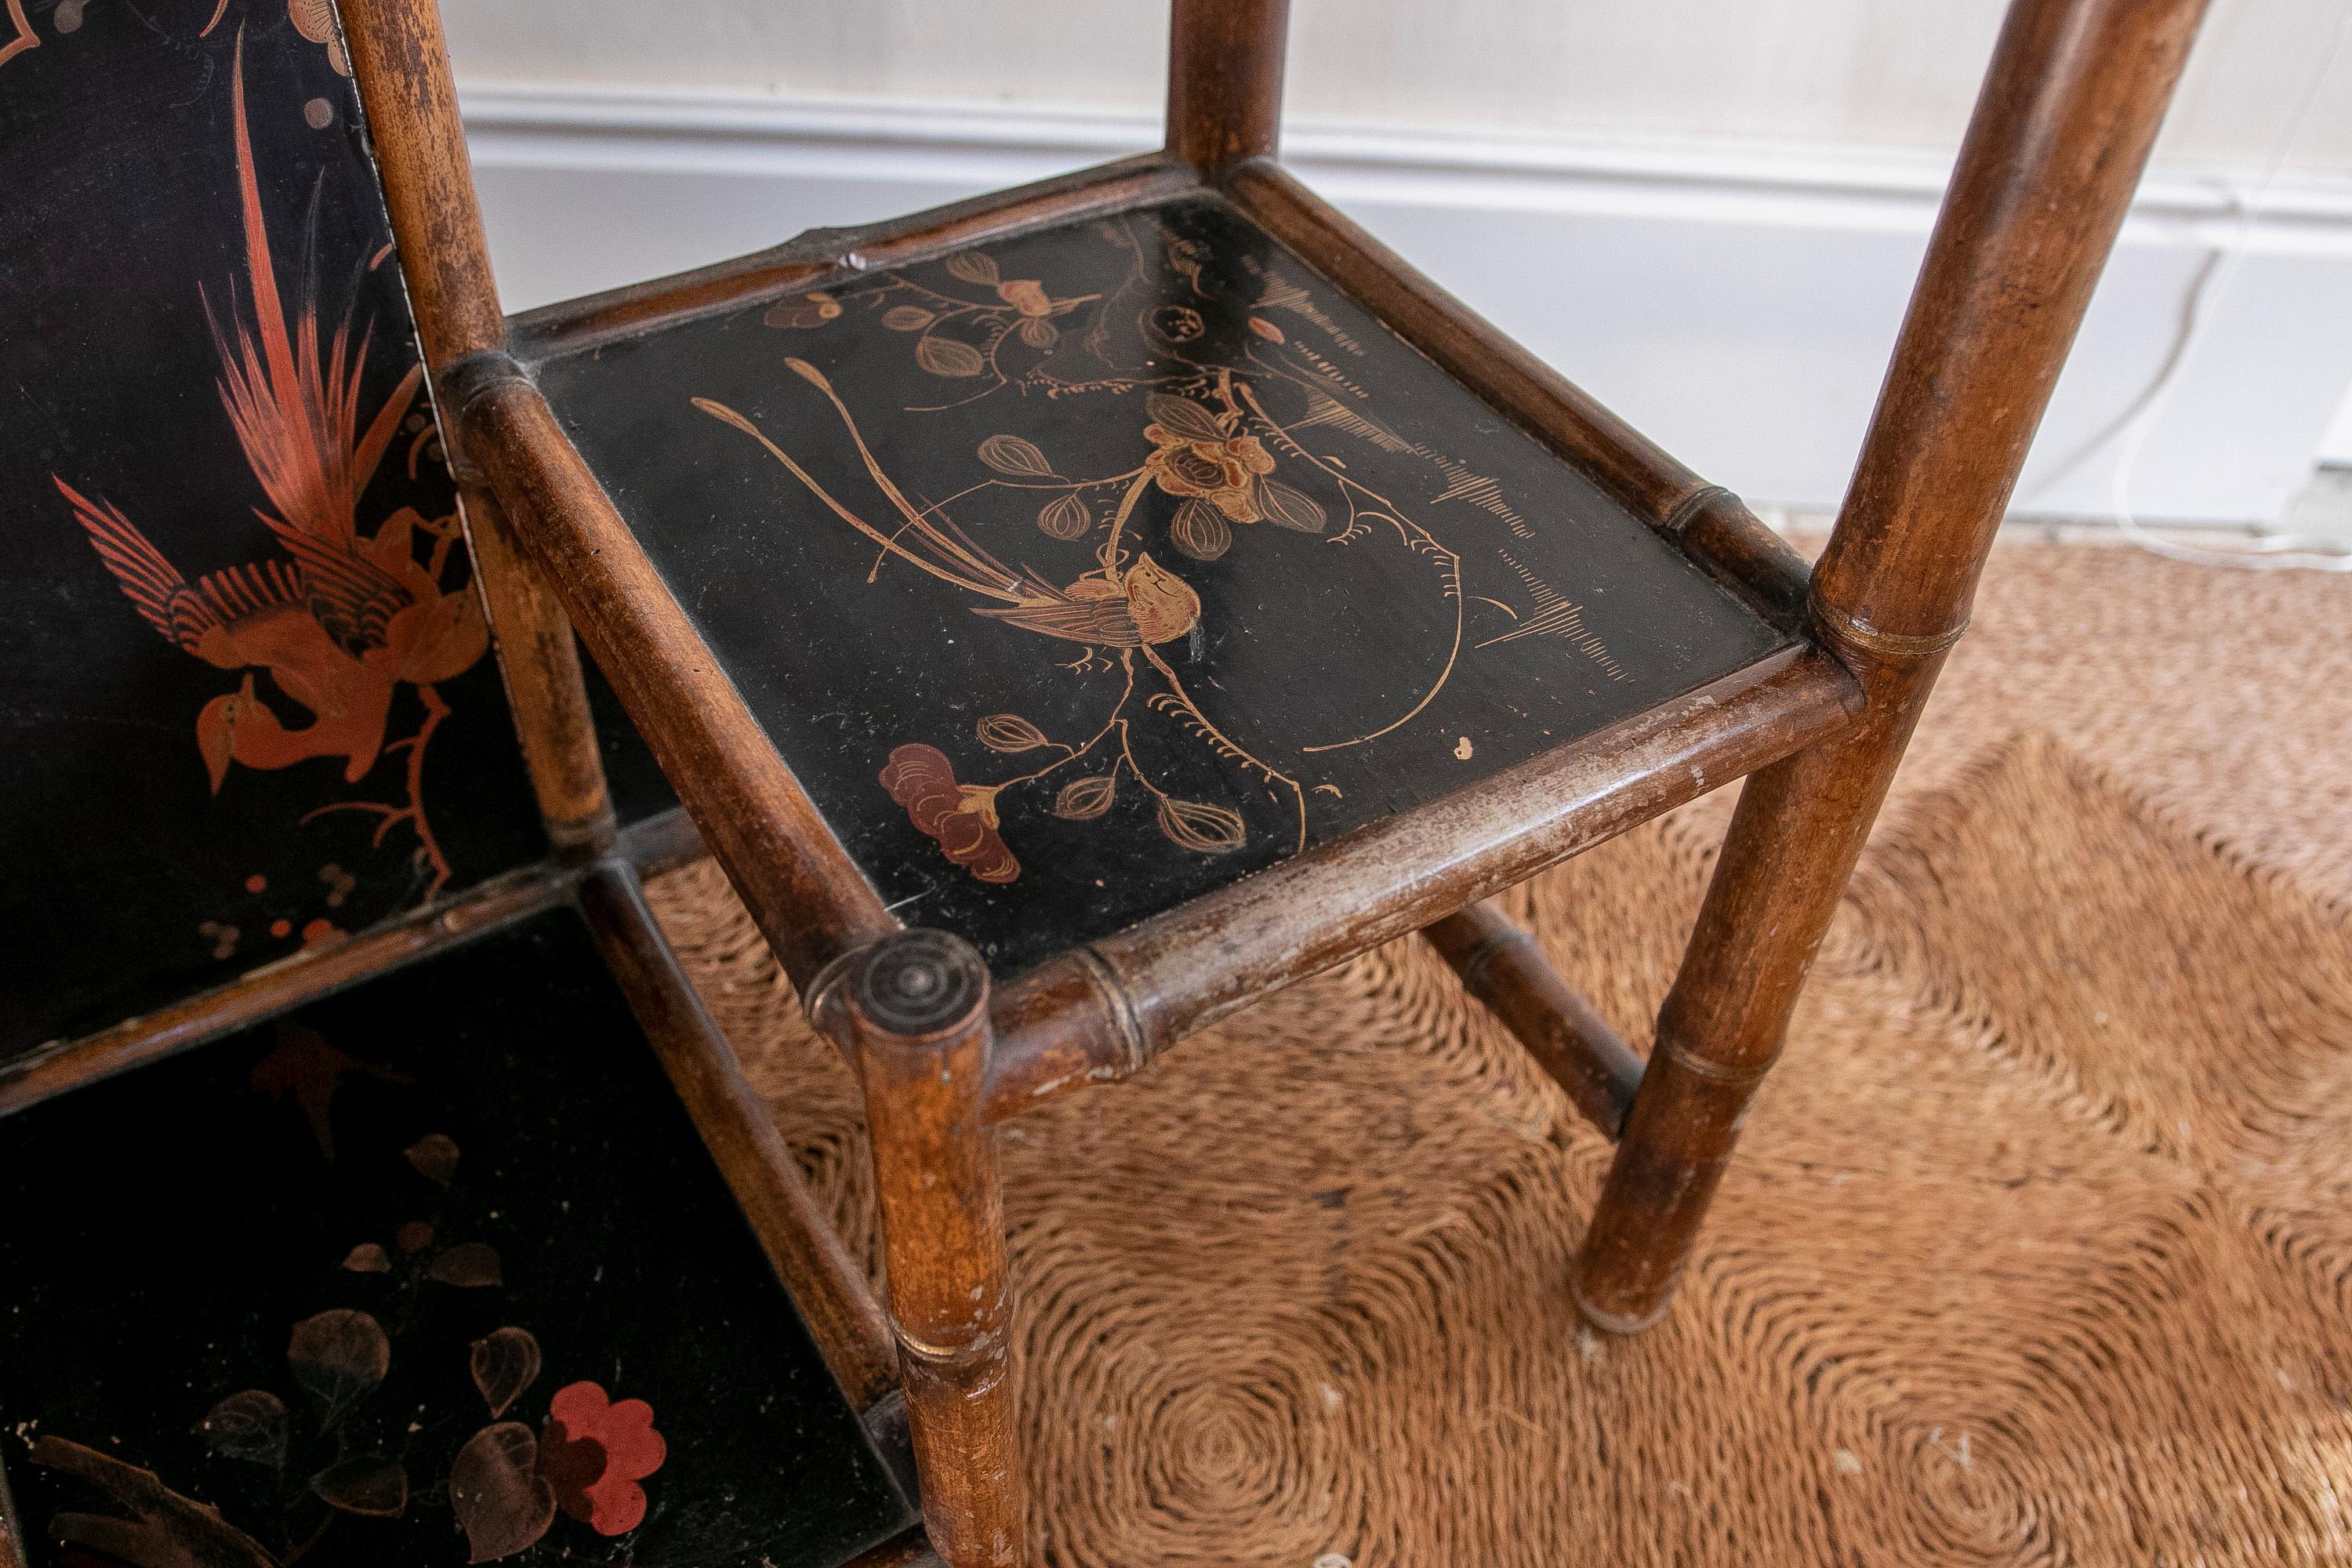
pixel 435 1270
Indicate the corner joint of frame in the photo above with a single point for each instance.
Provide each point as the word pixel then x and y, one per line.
pixel 821 998
pixel 1850 636
pixel 461 383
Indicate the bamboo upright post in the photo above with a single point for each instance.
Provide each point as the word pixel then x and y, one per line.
pixel 2060 132
pixel 1224 79
pixel 401 66
pixel 911 1013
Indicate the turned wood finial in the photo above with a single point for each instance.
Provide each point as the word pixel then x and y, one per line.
pixel 916 985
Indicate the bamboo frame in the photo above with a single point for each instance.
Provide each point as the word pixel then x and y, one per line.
pixel 1502 966
pixel 1104 1011
pixel 2074 94
pixel 910 1011
pixel 848 1324
pixel 2069 110
pixel 428 189
pixel 274 988
pixel 824 257
pixel 648 849
pixel 1226 61
pixel 811 901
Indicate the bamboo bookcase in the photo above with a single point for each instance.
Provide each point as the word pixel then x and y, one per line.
pixel 2071 105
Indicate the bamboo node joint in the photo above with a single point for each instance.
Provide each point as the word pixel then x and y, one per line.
pixel 1714 1072
pixel 1849 634
pixel 1691 505
pixel 1117 1007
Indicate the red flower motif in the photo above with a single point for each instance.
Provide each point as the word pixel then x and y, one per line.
pixel 963 817
pixel 594 1453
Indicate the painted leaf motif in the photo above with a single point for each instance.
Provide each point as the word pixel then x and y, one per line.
pixel 973 267
pixel 1196 825
pixel 1082 800
pixel 1289 506
pixel 338 1357
pixel 504 1364
pixel 247 1426
pixel 435 1156
pixel 364 1483
pixel 368 1258
pixel 1066 517
pixel 314 19
pixel 414 1237
pixel 907 317
pixel 804 310
pixel 1182 418
pixel 1200 531
pixel 468 1265
pixel 1012 455
pixel 1010 732
pixel 495 1488
pixel 1039 333
pixel 1265 329
pixel 945 356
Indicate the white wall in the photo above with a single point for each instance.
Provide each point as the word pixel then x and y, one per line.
pixel 1872 73
pixel 1706 211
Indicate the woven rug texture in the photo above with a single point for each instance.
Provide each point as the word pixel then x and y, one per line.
pixel 2038 1248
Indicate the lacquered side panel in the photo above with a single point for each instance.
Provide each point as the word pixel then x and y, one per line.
pixel 251 705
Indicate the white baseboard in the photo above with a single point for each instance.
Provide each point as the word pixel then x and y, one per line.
pixel 1736 302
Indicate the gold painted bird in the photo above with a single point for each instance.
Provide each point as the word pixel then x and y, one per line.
pixel 1134 606
pixel 1144 603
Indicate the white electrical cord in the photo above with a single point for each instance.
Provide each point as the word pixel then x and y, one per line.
pixel 2266 552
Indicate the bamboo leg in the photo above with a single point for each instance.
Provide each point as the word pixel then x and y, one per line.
pixel 1224 79
pixel 911 1011
pixel 541 662
pixel 2060 132
pixel 401 66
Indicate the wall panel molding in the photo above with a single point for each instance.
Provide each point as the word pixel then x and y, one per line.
pixel 1736 300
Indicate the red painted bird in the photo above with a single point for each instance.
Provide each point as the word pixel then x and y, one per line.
pixel 349 616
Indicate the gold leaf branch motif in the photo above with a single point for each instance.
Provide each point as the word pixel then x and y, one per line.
pixel 1212 447
pixel 1128 603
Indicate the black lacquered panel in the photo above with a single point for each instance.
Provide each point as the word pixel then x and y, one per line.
pixel 1079 573
pixel 251 705
pixel 433 1272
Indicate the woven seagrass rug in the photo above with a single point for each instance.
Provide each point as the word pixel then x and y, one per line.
pixel 2038 1247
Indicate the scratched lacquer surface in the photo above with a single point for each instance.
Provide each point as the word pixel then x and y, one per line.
pixel 433 1272
pixel 249 702
pixel 1079 573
